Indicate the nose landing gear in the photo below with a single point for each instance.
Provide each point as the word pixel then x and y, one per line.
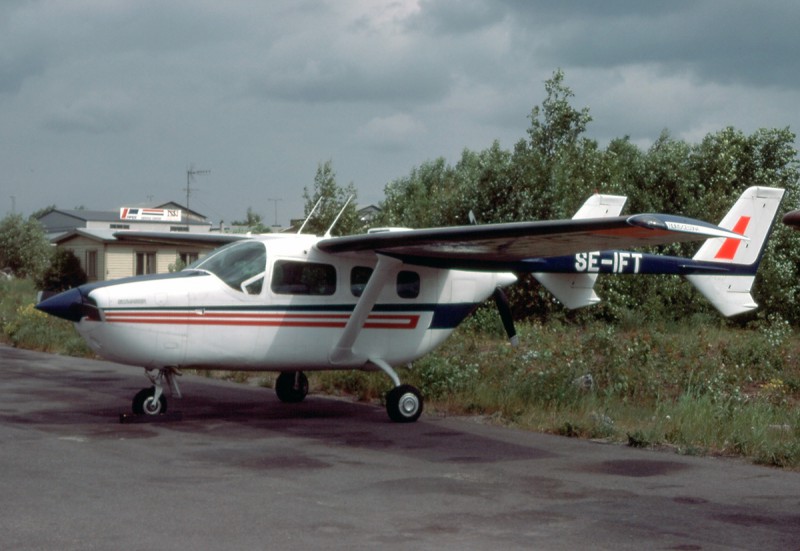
pixel 152 401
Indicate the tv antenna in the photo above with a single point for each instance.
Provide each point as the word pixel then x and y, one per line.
pixel 274 200
pixel 190 174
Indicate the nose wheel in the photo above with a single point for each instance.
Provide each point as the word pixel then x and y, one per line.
pixel 146 403
pixel 151 401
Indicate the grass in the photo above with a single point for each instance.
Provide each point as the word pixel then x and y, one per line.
pixel 698 388
pixel 23 326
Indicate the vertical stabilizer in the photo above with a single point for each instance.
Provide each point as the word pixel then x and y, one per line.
pixel 752 216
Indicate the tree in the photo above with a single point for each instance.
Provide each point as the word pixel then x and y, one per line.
pixel 331 198
pixel 24 249
pixel 556 125
pixel 64 272
pixel 552 172
pixel 253 222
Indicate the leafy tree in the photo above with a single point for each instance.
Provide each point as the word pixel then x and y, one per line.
pixel 551 173
pixel 332 199
pixel 564 161
pixel 24 249
pixel 425 198
pixel 64 272
pixel 43 211
pixel 253 222
pixel 556 126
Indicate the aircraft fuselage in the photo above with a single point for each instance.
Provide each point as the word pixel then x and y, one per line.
pixel 284 308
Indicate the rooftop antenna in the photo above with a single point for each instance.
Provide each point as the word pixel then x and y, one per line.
pixel 341 212
pixel 191 173
pixel 272 200
pixel 310 214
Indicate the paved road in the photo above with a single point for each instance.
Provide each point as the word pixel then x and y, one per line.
pixel 240 470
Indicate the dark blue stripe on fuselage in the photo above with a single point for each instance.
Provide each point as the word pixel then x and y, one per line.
pixel 627 262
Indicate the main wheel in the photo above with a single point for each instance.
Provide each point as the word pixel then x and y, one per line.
pixel 144 402
pixel 291 386
pixel 404 404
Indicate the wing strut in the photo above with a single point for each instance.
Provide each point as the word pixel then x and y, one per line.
pixel 343 351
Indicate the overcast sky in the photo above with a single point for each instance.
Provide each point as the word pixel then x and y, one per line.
pixel 107 103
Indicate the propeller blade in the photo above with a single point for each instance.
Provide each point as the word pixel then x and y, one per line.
pixel 504 309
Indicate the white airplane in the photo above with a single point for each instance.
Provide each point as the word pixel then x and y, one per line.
pixel 722 270
pixel 295 303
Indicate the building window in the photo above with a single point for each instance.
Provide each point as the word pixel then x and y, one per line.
pixel 187 258
pixel 91 265
pixel 145 263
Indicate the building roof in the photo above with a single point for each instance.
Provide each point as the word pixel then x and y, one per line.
pixel 102 235
pixel 160 238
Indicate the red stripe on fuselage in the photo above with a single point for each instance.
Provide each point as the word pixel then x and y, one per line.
pixel 728 249
pixel 378 321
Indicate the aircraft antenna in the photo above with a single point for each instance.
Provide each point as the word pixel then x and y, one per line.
pixel 341 212
pixel 190 174
pixel 310 214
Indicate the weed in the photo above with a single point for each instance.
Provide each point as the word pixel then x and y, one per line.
pixel 699 387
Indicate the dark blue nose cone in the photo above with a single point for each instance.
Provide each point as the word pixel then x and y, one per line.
pixel 67 305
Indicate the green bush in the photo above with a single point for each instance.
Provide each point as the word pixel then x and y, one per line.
pixel 64 272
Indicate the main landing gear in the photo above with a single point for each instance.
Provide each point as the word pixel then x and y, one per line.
pixel 291 386
pixel 151 401
pixel 403 402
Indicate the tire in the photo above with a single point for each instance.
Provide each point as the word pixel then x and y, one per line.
pixel 143 403
pixel 285 387
pixel 404 404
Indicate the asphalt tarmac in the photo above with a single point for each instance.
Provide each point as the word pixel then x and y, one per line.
pixel 237 469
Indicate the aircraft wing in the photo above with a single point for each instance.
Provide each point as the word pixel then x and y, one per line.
pixel 502 247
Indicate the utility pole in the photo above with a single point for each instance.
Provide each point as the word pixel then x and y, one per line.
pixel 191 173
pixel 276 208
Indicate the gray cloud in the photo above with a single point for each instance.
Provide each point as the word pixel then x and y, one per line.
pixel 105 103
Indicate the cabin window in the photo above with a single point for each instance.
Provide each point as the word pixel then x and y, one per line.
pixel 145 263
pixel 359 276
pixel 303 278
pixel 240 265
pixel 408 284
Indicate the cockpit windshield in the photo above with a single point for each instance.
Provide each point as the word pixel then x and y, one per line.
pixel 241 265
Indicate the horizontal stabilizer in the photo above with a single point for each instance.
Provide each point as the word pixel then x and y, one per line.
pixel 577 290
pixel 572 290
pixel 600 206
pixel 729 294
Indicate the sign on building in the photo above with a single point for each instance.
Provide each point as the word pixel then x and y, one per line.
pixel 158 215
